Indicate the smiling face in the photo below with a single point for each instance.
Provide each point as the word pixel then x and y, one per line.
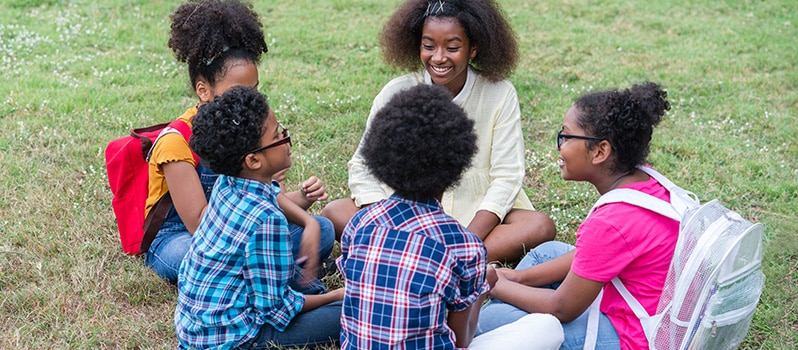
pixel 445 52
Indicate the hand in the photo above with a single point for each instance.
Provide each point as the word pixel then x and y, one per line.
pixel 499 280
pixel 313 189
pixel 308 271
pixel 491 276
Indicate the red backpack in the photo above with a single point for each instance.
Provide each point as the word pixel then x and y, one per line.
pixel 127 165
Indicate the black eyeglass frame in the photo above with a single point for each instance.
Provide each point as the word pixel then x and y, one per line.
pixel 286 139
pixel 561 138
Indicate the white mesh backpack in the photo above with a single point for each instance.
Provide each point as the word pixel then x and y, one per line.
pixel 715 277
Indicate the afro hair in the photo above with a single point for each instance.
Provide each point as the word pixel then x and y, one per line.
pixel 625 118
pixel 420 142
pixel 483 22
pixel 207 33
pixel 225 129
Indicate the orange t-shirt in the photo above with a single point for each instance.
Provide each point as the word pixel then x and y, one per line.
pixel 171 147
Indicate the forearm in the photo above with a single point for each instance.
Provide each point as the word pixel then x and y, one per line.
pixel 567 302
pixel 464 323
pixel 309 246
pixel 300 199
pixel 483 223
pixel 529 299
pixel 313 301
pixel 549 272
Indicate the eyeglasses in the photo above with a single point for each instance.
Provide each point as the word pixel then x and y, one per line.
pixel 561 138
pixel 286 139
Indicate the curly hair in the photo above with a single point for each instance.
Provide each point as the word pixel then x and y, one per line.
pixel 207 33
pixel 624 118
pixel 225 129
pixel 420 142
pixel 482 20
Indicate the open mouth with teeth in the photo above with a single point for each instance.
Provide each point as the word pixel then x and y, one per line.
pixel 440 70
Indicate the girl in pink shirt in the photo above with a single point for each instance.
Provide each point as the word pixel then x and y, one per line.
pixel 604 138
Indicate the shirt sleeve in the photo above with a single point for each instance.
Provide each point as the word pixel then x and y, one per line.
pixel 602 252
pixel 365 188
pixel 171 147
pixel 507 158
pixel 469 276
pixel 269 269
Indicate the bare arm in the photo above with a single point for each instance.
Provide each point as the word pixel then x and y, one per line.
pixel 483 223
pixel 314 301
pixel 310 236
pixel 552 271
pixel 464 323
pixel 186 191
pixel 567 302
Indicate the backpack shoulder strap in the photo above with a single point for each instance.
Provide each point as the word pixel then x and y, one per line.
pixel 176 126
pixel 640 199
pixel 680 199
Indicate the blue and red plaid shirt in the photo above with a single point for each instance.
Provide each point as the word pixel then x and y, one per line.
pixel 235 275
pixel 405 264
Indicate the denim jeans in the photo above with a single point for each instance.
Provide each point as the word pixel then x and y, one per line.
pixel 316 327
pixel 496 313
pixel 172 242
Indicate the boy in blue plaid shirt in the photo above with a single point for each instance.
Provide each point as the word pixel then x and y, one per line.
pixel 237 286
pixel 415 277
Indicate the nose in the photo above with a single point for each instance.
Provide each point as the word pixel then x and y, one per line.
pixel 438 56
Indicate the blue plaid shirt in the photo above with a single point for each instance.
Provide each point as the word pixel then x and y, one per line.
pixel 235 275
pixel 405 264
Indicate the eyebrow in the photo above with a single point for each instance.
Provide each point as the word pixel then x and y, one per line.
pixel 454 38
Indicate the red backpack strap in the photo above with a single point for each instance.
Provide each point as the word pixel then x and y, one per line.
pixel 158 212
pixel 185 130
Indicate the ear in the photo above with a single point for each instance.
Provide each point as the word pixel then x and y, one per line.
pixel 473 52
pixel 251 162
pixel 204 91
pixel 601 152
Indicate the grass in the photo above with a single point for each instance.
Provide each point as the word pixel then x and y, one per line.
pixel 76 74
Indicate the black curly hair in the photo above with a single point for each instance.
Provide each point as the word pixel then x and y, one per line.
pixel 227 127
pixel 482 20
pixel 207 33
pixel 625 118
pixel 420 142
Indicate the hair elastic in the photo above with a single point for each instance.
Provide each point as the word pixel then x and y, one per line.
pixel 434 9
pixel 209 61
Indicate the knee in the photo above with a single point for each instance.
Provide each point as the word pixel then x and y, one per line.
pixel 339 212
pixel 546 230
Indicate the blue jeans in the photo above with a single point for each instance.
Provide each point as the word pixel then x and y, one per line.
pixel 316 327
pixel 496 313
pixel 172 242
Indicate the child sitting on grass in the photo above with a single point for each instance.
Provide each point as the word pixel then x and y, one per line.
pixel 235 283
pixel 405 262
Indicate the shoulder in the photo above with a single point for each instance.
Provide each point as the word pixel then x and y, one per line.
pixel 453 235
pixel 400 83
pixel 188 115
pixel 498 88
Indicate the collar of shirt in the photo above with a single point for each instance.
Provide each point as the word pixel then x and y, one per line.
pixel 460 99
pixel 266 190
pixel 432 204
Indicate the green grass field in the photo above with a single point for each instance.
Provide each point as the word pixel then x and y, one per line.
pixel 76 74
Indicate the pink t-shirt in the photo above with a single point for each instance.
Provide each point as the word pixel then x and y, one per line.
pixel 635 244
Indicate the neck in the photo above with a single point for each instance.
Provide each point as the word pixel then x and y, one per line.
pixel 620 179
